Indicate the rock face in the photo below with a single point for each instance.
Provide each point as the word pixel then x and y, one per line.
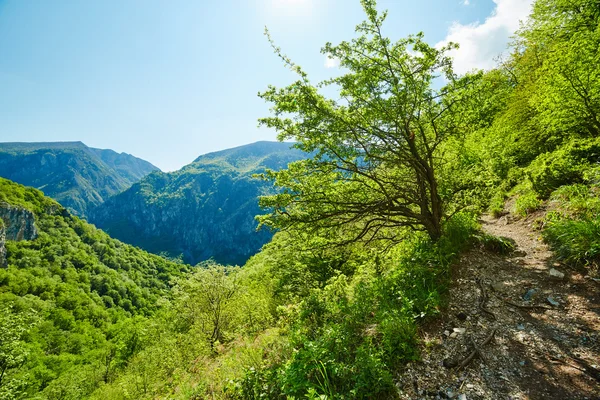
pixel 2 245
pixel 16 223
pixel 77 176
pixel 205 210
pixel 19 223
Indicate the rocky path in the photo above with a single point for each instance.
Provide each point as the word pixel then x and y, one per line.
pixel 546 322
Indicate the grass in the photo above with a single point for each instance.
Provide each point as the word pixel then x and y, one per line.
pixel 575 240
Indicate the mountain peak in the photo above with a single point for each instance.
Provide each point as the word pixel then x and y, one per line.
pixel 260 148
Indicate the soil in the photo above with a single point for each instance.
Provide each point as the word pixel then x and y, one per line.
pixel 548 352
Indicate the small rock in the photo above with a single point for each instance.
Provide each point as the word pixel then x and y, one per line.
pixel 447 333
pixel 497 286
pixel 529 294
pixel 460 331
pixel 453 335
pixel 522 363
pixel 462 396
pixel 552 301
pixel 556 273
pixel 462 316
pixel 449 363
pixel 521 327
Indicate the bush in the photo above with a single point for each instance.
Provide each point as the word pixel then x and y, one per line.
pixel 496 207
pixel 527 203
pixel 563 166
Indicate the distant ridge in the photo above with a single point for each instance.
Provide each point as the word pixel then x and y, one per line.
pixel 30 146
pixel 77 176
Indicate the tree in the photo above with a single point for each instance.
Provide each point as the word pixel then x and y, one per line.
pixel 376 150
pixel 206 299
pixel 564 35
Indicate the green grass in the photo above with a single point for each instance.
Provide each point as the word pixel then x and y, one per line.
pixel 575 240
pixel 527 203
pixel 496 244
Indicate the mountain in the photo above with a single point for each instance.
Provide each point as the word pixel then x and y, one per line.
pixel 71 297
pixel 77 176
pixel 205 210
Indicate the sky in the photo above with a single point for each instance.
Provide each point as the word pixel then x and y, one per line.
pixel 168 80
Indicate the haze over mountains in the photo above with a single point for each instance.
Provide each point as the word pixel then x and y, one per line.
pixel 77 176
pixel 205 210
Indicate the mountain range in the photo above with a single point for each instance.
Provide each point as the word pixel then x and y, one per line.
pixel 77 176
pixel 204 210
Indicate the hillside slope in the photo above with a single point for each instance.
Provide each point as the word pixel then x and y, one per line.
pixel 204 210
pixel 70 297
pixel 77 176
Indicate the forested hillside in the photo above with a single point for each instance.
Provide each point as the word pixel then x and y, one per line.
pixel 77 176
pixel 372 225
pixel 205 210
pixel 72 299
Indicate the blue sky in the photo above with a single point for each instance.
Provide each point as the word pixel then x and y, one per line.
pixel 170 80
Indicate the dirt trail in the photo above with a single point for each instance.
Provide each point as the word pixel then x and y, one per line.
pixel 550 352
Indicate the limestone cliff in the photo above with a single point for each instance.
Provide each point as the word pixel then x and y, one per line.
pixel 16 223
pixel 2 245
pixel 19 223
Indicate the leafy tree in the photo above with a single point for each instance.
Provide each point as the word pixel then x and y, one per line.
pixel 206 300
pixel 377 150
pixel 564 36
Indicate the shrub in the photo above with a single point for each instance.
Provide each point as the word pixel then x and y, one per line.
pixel 527 203
pixel 563 166
pixel 496 207
pixel 579 200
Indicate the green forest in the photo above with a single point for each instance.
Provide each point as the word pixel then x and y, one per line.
pixel 404 161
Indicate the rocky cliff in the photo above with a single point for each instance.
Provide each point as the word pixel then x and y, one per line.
pixel 205 210
pixel 16 223
pixel 19 223
pixel 2 245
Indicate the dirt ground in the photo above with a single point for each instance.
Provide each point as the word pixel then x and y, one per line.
pixel 546 329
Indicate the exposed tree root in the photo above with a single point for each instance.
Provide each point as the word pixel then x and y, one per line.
pixel 484 299
pixel 523 306
pixel 475 352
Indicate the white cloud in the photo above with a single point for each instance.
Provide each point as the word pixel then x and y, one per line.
pixel 480 43
pixel 466 2
pixel 331 62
